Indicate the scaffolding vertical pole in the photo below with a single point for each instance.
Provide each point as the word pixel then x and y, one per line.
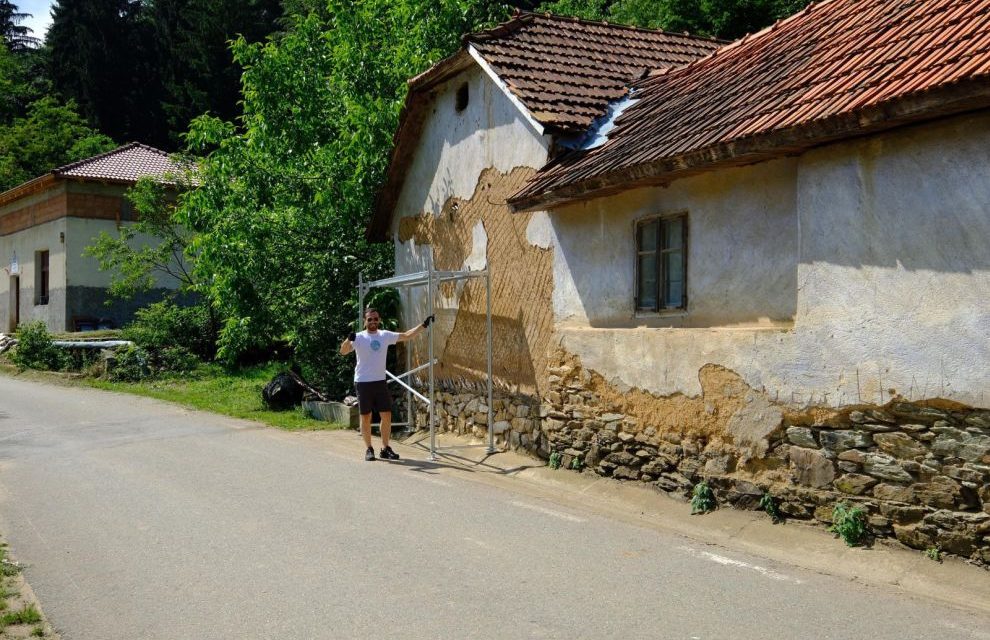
pixel 410 414
pixel 429 302
pixel 488 314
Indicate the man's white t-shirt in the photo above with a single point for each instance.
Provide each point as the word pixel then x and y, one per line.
pixel 371 349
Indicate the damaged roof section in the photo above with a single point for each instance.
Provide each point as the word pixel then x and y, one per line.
pixel 562 71
pixel 565 71
pixel 835 70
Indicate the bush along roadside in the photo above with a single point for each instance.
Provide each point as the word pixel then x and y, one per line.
pixel 20 614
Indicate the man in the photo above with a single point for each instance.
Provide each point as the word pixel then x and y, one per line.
pixel 371 346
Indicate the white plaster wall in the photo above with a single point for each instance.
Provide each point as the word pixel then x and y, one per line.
pixel 25 243
pixel 85 271
pixel 454 149
pixel 742 251
pixel 886 240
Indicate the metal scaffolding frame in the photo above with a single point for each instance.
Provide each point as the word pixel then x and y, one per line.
pixel 432 278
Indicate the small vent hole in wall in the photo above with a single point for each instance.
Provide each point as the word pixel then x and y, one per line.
pixel 461 101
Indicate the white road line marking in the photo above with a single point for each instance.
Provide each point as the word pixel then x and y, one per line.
pixel 549 512
pixel 729 562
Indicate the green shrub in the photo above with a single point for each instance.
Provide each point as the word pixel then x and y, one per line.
pixel 166 325
pixel 555 460
pixel 130 364
pixel 702 499
pixel 849 523
pixel 35 349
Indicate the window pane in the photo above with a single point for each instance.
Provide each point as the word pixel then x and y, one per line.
pixel 647 292
pixel 673 270
pixel 673 231
pixel 648 236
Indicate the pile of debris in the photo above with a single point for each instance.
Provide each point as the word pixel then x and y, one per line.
pixel 286 390
pixel 6 342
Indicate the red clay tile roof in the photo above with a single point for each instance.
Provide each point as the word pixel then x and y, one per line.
pixel 837 69
pixel 123 164
pixel 566 71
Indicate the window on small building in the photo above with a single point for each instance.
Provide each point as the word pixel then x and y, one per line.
pixel 661 263
pixel 41 277
pixel 461 100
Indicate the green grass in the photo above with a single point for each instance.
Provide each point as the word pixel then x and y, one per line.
pixel 236 394
pixel 28 615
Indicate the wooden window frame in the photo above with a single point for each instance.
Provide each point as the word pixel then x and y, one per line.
pixel 42 263
pixel 660 295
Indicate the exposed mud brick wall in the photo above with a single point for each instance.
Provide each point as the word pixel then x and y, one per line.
pixel 522 284
pixel 921 470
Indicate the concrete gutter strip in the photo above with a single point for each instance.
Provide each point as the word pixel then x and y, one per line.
pixel 953 581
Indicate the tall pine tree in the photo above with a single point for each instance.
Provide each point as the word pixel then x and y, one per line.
pixel 15 35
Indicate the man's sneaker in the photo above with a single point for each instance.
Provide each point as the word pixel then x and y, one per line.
pixel 369 455
pixel 388 454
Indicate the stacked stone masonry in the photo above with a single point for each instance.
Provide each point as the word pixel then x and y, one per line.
pixel 920 470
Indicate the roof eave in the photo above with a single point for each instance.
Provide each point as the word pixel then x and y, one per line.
pixel 30 187
pixel 956 98
pixel 411 118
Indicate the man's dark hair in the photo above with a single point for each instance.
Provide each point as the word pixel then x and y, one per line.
pixel 371 310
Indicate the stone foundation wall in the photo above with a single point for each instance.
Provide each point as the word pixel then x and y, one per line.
pixel 921 470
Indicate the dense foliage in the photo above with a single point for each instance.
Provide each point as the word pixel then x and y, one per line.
pixel 728 19
pixel 286 192
pixel 141 70
pixel 38 131
pixel 35 349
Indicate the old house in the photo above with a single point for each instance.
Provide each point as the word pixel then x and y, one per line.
pixel 765 267
pixel 45 225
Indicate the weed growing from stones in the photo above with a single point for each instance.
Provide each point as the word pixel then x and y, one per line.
pixel 577 463
pixel 703 499
pixel 849 523
pixel 555 460
pixel 934 553
pixel 772 506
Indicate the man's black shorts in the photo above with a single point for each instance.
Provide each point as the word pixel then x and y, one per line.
pixel 373 396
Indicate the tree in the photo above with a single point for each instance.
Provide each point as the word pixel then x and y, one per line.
pixel 102 57
pixel 284 194
pixel 728 19
pixel 198 73
pixel 142 69
pixel 15 36
pixel 135 267
pixel 50 135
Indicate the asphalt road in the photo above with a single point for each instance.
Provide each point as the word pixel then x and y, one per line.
pixel 137 519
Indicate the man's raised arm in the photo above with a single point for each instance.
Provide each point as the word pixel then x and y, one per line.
pixel 412 333
pixel 348 344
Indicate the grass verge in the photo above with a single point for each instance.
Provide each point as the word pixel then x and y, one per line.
pixel 209 388
pixel 20 616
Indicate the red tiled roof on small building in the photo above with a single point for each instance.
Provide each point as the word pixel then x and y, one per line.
pixel 837 69
pixel 124 164
pixel 566 71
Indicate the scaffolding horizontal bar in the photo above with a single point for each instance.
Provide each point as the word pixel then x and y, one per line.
pixel 422 277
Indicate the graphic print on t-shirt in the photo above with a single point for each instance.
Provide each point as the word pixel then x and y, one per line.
pixel 375 345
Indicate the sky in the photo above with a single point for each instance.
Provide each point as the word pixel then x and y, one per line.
pixel 41 15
